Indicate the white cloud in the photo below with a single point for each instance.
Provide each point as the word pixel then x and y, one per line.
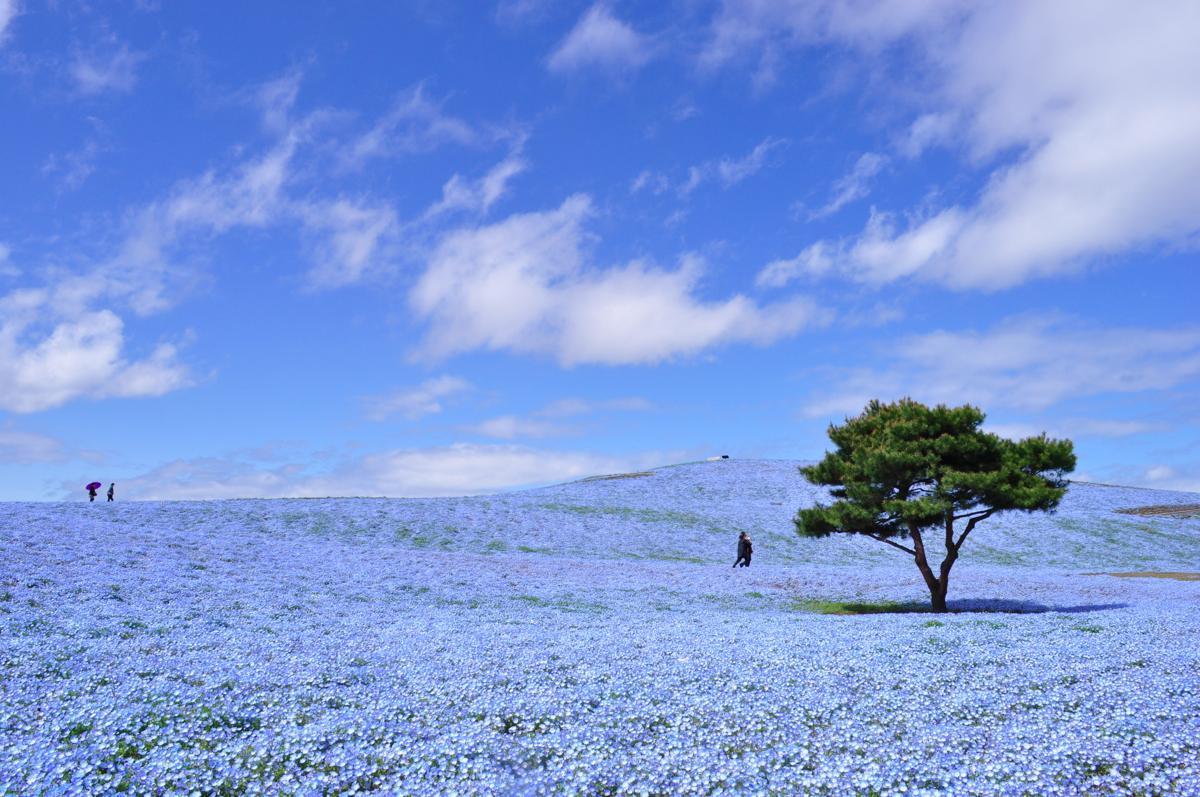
pixel 1185 478
pixel 7 269
pixel 519 12
pixel 276 98
pixel 572 407
pixel 23 448
pixel 547 421
pixel 347 239
pixel 8 12
pixel 524 285
pixel 730 171
pixel 855 184
pixel 599 39
pixel 459 469
pixel 1077 427
pixel 478 196
pixel 733 170
pixel 654 182
pixel 813 261
pixel 115 70
pixel 413 124
pixel 1025 363
pixel 72 168
pixel 48 358
pixel 144 270
pixel 1099 103
pixel 352 239
pixel 511 427
pixel 417 402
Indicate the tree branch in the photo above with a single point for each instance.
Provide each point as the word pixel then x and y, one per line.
pixel 889 542
pixel 971 524
pixel 976 512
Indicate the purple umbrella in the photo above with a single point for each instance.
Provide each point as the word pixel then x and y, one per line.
pixel 94 486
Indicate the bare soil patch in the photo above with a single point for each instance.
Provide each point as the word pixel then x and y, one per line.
pixel 1163 510
pixel 1154 574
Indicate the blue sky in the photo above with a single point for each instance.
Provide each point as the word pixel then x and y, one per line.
pixel 424 249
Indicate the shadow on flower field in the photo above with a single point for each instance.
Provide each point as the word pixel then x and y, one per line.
pixel 967 606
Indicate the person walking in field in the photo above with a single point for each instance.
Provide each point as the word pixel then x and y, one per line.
pixel 111 488
pixel 745 550
pixel 92 492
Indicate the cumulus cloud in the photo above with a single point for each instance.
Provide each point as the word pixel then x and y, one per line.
pixel 52 353
pixel 412 403
pixel 1025 363
pixel 525 285
pixel 459 469
pixel 114 70
pixel 1085 113
pixel 599 39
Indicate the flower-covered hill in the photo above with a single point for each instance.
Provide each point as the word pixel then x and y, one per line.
pixel 687 513
pixel 588 638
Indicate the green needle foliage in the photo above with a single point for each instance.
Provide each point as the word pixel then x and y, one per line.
pixel 903 470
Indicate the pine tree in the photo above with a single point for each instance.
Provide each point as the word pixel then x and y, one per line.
pixel 902 470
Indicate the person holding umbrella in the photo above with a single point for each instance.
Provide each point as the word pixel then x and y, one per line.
pixel 92 488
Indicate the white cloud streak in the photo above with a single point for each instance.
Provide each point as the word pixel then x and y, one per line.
pixel 414 124
pixel 426 398
pixel 112 71
pixel 26 448
pixel 600 40
pixel 478 196
pixel 854 185
pixel 459 469
pixel 548 421
pixel 1025 363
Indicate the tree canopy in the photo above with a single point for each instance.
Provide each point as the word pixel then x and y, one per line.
pixel 901 469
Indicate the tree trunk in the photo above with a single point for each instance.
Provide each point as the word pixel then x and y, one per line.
pixel 939 599
pixel 937 592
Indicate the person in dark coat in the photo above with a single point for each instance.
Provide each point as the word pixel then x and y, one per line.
pixel 745 550
pixel 111 488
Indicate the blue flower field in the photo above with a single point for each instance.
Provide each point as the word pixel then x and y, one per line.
pixel 592 638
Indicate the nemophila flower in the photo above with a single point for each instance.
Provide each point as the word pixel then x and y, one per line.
pixel 382 646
